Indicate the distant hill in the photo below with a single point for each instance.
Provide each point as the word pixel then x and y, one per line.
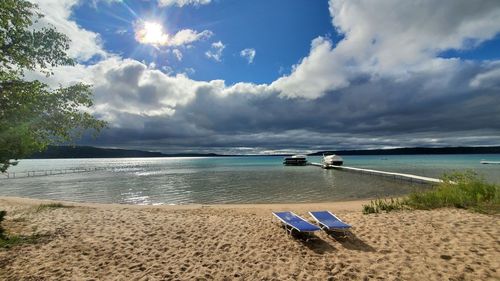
pixel 95 152
pixel 416 150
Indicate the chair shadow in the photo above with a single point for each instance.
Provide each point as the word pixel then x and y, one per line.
pixel 317 245
pixel 312 242
pixel 351 241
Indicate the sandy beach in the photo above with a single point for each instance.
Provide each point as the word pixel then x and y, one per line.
pixel 244 242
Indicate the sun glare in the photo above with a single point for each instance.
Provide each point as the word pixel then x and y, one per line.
pixel 151 33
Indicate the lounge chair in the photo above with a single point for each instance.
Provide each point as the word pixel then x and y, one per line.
pixel 330 222
pixel 293 222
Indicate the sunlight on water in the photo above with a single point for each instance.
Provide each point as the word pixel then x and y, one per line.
pixel 155 181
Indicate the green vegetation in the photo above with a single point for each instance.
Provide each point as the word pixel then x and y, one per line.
pixel 8 241
pixel 387 205
pixel 50 206
pixel 2 217
pixel 460 190
pixel 33 115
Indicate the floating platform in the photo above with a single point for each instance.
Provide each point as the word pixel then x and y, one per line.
pixel 408 177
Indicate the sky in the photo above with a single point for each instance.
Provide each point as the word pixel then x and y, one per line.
pixel 259 77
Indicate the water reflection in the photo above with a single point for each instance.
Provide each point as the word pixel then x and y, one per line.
pixel 224 180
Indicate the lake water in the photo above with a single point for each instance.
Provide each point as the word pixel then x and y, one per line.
pixel 214 180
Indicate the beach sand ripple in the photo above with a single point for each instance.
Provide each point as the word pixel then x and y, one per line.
pixel 112 242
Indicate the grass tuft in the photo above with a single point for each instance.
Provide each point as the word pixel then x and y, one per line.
pixel 464 190
pixel 7 242
pixel 50 206
pixel 2 217
pixel 387 205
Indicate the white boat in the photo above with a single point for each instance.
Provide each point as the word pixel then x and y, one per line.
pixel 295 160
pixel 489 162
pixel 332 160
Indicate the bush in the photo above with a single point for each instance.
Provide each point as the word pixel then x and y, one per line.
pixel 460 190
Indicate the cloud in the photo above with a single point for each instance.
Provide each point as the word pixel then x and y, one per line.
pixel 150 109
pixel 187 36
pixel 152 33
pixel 368 90
pixel 181 3
pixel 215 51
pixel 248 54
pixel 84 44
pixel 489 79
pixel 178 54
pixel 396 44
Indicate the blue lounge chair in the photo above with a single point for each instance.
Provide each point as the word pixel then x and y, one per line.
pixel 293 222
pixel 329 221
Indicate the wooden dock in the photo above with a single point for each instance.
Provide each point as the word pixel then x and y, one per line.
pixel 40 173
pixel 408 177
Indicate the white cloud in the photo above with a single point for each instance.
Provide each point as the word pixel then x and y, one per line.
pixel 394 44
pixel 178 54
pixel 181 3
pixel 215 52
pixel 390 87
pixel 187 36
pixel 315 74
pixel 152 33
pixel 84 44
pixel 248 54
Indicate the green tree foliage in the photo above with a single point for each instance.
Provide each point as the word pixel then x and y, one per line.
pixel 32 115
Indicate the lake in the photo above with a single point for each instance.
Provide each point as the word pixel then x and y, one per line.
pixel 222 180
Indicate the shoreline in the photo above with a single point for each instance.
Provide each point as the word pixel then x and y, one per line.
pixel 351 205
pixel 92 241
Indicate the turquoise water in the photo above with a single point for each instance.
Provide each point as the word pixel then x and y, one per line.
pixel 213 180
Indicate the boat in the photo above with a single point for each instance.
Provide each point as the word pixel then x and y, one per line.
pixel 332 160
pixel 489 162
pixel 295 160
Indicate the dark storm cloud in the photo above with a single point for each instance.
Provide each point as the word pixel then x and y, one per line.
pixel 382 85
pixel 420 110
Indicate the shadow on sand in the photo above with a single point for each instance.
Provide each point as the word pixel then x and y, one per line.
pixel 351 242
pixel 318 245
pixel 312 242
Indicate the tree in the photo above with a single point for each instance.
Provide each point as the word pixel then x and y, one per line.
pixel 32 115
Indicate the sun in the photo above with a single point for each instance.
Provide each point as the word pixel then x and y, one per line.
pixel 151 33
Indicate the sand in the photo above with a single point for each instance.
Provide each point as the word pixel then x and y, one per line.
pixel 244 242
